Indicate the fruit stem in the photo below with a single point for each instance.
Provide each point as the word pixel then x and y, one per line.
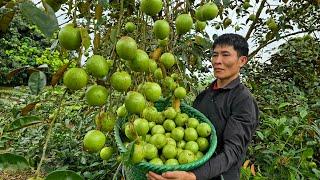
pixel 49 133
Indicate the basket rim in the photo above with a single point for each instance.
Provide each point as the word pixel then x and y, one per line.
pixel 186 167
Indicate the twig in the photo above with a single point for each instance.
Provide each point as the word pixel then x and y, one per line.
pixel 49 134
pixel 256 19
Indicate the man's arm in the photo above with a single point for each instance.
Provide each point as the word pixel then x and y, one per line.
pixel 236 137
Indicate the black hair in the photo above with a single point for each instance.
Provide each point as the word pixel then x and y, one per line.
pixel 238 42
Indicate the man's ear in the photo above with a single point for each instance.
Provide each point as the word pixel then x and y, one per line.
pixel 243 60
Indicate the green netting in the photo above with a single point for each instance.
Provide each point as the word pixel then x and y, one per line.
pixel 138 171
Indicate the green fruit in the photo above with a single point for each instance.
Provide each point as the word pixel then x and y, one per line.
pixel 106 121
pixel 190 134
pixel 252 17
pixel 169 125
pixel 159 140
pixel 156 161
pixel 130 27
pixel 150 151
pixel 210 11
pixel 163 42
pixel 181 119
pixel 172 162
pixel 192 123
pixel 204 130
pixel 138 154
pixel 192 146
pixel 150 113
pixel 130 132
pixel 170 113
pixel 177 134
pixel 152 91
pixel 151 125
pixel 152 66
pixel 106 153
pixel 272 25
pixel 122 111
pixel 75 78
pixel 167 59
pixel 199 14
pixel 151 7
pixel 185 157
pixel 157 129
pixel 126 48
pixel 183 23
pixel 94 141
pixel 135 102
pixel 169 83
pixel 199 155
pixel 120 81
pixel 169 151
pixel 158 73
pixel 161 29
pixel 203 144
pixel 246 5
pixel 70 37
pixel 181 144
pixel 97 66
pixel 180 92
pixel 200 25
pixel 170 140
pixel 141 61
pixel 96 95
pixel 141 126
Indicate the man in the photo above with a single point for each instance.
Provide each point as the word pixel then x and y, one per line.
pixel 230 107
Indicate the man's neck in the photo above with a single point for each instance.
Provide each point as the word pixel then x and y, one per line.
pixel 221 83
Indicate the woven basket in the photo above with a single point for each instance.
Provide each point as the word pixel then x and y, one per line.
pixel 139 171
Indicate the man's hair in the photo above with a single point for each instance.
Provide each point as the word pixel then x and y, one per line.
pixel 238 42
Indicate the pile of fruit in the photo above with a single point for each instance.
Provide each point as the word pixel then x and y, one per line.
pixel 168 137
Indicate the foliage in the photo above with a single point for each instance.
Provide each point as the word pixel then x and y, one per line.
pixel 65 148
pixel 288 93
pixel 25 46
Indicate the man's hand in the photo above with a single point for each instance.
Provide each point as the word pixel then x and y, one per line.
pixel 177 175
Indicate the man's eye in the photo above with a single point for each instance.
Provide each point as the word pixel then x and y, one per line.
pixel 214 55
pixel 226 54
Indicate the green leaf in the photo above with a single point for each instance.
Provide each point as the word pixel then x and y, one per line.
pixel 226 3
pixel 63 175
pixel 282 105
pixel 260 135
pixel 46 22
pixel 23 122
pixel 308 153
pixel 303 113
pixel 12 161
pixel 85 37
pixel 37 81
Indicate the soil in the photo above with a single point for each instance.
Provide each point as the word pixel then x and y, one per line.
pixel 16 175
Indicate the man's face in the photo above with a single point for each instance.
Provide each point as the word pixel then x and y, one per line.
pixel 226 62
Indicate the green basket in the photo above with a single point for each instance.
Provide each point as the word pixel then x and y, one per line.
pixel 139 171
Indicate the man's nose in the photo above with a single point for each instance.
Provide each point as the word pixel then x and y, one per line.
pixel 216 59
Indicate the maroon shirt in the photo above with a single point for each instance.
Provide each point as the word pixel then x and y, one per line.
pixel 234 113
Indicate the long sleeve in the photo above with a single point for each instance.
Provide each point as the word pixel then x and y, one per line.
pixel 235 139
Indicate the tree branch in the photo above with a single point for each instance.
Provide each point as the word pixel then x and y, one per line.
pixel 252 26
pixel 269 42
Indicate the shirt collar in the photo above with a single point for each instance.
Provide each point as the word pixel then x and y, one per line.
pixel 231 85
